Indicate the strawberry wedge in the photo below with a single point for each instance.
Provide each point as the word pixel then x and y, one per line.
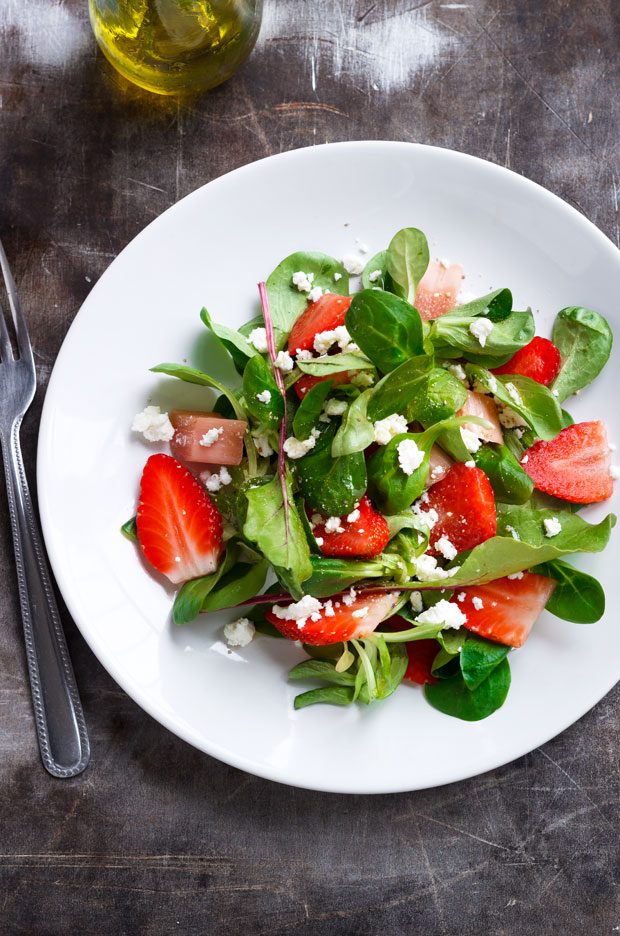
pixel 575 466
pixel 179 527
pixel 207 438
pixel 539 360
pixel 326 314
pixel 364 533
pixel 479 404
pixel 344 617
pixel 307 382
pixel 465 506
pixel 438 289
pixel 505 610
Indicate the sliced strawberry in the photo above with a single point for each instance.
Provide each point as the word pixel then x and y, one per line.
pixel 343 617
pixel 465 504
pixel 539 360
pixel 307 382
pixel 574 466
pixel 509 607
pixel 365 536
pixel 179 527
pixel 479 404
pixel 438 289
pixel 325 314
pixel 421 655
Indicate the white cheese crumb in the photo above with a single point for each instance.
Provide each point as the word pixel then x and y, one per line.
pixel 444 612
pixel 264 396
pixel 353 264
pixel 447 549
pixel 315 293
pixel 415 600
pixel 410 457
pixel 615 472
pixel 478 603
pixel 154 425
pixel 514 394
pixel 216 480
pixel 458 371
pixel 303 281
pixel 337 276
pixel 258 338
pixel 353 516
pixel 324 340
pixel 386 429
pixel 211 436
pixel 426 569
pixel 239 633
pixel 374 276
pixel 261 441
pixel 333 525
pixel 470 440
pixel 335 407
pixel 470 464
pixel 361 612
pixel 512 531
pixel 296 449
pixel 511 420
pixel 516 575
pixel 304 355
pixel 319 540
pixel 300 611
pixel 428 517
pixel 437 472
pixel 518 432
pixel 363 379
pixel 284 362
pixel 555 393
pixel 349 598
pixel 525 459
pixel 328 608
pixel 552 527
pixel 481 329
pixel 461 596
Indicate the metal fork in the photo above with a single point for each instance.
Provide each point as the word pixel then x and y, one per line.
pixel 61 728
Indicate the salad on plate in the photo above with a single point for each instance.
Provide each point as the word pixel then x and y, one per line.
pixel 393 482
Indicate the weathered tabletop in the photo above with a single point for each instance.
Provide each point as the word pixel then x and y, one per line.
pixel 155 837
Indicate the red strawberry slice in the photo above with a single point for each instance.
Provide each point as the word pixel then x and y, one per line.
pixel 343 617
pixel 465 504
pixel 509 607
pixel 539 360
pixel 307 382
pixel 325 314
pixel 437 290
pixel 179 526
pixel 365 536
pixel 574 466
pixel 421 655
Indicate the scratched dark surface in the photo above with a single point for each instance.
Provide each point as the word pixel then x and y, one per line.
pixel 155 837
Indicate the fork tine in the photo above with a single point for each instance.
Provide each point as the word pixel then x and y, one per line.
pixel 21 329
pixel 6 351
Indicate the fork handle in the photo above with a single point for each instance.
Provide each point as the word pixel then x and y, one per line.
pixel 61 728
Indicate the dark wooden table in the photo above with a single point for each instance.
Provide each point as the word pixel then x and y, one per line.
pixel 155 837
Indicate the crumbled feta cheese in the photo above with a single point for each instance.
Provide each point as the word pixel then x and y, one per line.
pixel 211 436
pixel 353 264
pixel 333 525
pixel 303 281
pixel 296 449
pixel 461 596
pixel 514 394
pixel 258 338
pixel 426 569
pixel 615 472
pixel 374 276
pixel 481 329
pixel 525 459
pixel 447 549
pixel 361 612
pixel 353 516
pixel 154 425
pixel 437 472
pixel 516 575
pixel 264 396
pixel 518 432
pixel 458 371
pixel 319 540
pixel 300 611
pixel 478 603
pixel 304 355
pixel 415 600
pixel 386 429
pixel 284 362
pixel 510 529
pixel 363 379
pixel 335 407
pixel 470 464
pixel 328 608
pixel 315 293
pixel 428 517
pixel 511 420
pixel 349 598
pixel 337 276
pixel 239 633
pixel 410 457
pixel 555 393
pixel 339 335
pixel 261 441
pixel 552 526
pixel 213 482
pixel 444 612
pixel 470 440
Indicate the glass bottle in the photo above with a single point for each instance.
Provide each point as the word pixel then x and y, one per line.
pixel 175 46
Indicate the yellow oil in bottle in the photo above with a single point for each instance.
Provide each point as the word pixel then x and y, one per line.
pixel 176 46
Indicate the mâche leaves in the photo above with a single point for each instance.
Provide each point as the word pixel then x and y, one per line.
pixel 375 275
pixel 194 376
pixel 233 341
pixel 386 328
pixel 330 485
pixel 510 483
pixel 451 337
pixel 406 262
pixel 584 340
pixel 356 431
pixel 530 399
pixel 258 379
pixel 395 391
pixel 310 409
pixel 286 301
pixel 335 363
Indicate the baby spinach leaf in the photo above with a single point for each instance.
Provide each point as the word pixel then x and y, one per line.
pixel 285 300
pixel 386 328
pixel 496 306
pixel 329 364
pixel 407 260
pixel 376 263
pixel 193 376
pixel 258 378
pixel 240 583
pixel 577 597
pixel 394 392
pixel 311 407
pixel 584 339
pixel 576 535
pixel 331 485
pixel 323 670
pixel 479 657
pixel 191 596
pixel 453 697
pixel 233 341
pixel 356 431
pixel 331 695
pixel 510 483
pixel 130 530
pixel 277 530
pixel 451 337
pixel 530 399
pixel 445 664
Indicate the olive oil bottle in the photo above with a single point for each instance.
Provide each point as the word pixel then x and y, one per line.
pixel 176 46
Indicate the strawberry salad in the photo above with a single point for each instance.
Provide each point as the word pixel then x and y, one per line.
pixel 392 481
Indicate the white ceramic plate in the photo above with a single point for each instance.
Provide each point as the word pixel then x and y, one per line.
pixel 211 249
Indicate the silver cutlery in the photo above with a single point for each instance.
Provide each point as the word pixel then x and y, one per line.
pixel 60 724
